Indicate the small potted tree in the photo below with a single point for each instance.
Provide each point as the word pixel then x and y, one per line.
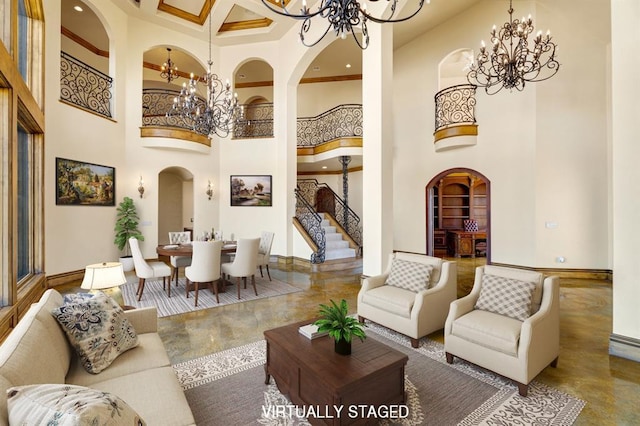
pixel 340 325
pixel 126 227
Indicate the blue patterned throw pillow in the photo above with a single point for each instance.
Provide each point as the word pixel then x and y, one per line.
pixel 409 275
pixel 61 404
pixel 506 296
pixel 97 329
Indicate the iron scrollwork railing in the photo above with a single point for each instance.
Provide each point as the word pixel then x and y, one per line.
pixel 348 219
pixel 312 223
pixel 155 105
pixel 256 122
pixel 338 122
pixel 455 106
pixel 85 86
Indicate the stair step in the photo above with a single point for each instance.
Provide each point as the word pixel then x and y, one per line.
pixel 333 237
pixel 344 253
pixel 336 244
pixel 329 229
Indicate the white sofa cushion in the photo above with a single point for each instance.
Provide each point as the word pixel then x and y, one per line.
pixel 505 296
pixel 490 330
pixel 409 275
pixel 97 329
pixel 391 299
pixel 67 405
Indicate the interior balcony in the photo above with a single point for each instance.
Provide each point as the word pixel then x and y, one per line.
pixel 455 117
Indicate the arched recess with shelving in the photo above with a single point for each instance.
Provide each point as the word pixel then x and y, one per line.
pixel 453 197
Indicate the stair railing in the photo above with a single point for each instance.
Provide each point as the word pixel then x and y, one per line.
pixel 455 106
pixel 339 122
pixel 345 216
pixel 312 223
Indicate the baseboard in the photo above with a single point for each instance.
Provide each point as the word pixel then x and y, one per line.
pixel 624 347
pixel 592 274
pixel 64 278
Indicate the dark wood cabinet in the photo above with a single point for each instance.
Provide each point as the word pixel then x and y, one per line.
pixel 462 243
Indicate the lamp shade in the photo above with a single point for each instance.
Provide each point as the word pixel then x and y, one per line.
pixel 103 275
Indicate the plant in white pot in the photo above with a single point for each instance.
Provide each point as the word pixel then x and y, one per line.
pixel 335 319
pixel 126 227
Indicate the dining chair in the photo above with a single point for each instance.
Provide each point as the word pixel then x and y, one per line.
pixel 244 264
pixel 146 269
pixel 179 261
pixel 205 266
pixel 264 251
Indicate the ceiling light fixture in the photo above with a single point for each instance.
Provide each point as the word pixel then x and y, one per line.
pixel 344 17
pixel 77 8
pixel 215 115
pixel 511 63
pixel 169 70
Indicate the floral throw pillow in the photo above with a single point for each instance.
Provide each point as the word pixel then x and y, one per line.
pixel 97 329
pixel 62 405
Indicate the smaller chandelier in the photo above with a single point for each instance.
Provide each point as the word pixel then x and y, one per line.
pixel 216 114
pixel 344 17
pixel 169 70
pixel 510 63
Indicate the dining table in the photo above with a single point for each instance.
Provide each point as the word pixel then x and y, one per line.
pixel 169 250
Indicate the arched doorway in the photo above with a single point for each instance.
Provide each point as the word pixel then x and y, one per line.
pixel 458 206
pixel 175 202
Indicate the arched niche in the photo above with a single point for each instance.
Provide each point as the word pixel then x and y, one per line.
pixel 454 67
pixel 83 35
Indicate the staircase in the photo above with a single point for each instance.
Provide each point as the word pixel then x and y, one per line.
pixel 337 247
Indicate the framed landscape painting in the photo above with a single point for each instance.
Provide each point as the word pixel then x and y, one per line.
pixel 251 190
pixel 84 184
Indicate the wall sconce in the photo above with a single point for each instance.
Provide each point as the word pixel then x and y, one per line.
pixel 141 187
pixel 210 190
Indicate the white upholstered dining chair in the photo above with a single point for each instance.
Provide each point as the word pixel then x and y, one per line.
pixel 244 264
pixel 178 262
pixel 145 270
pixel 264 252
pixel 205 266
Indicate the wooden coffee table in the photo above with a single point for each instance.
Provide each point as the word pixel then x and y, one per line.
pixel 312 375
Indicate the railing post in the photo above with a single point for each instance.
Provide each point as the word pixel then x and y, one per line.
pixel 345 160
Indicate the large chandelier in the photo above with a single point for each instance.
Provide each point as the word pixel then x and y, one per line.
pixel 215 115
pixel 510 63
pixel 343 16
pixel 169 70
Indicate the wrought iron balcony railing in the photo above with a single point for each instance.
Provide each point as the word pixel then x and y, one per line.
pixel 338 122
pixel 155 105
pixel 84 86
pixel 256 122
pixel 346 217
pixel 455 106
pixel 312 223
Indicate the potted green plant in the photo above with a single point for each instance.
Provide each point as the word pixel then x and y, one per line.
pixel 126 227
pixel 342 327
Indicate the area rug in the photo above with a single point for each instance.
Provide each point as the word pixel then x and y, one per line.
pixel 155 295
pixel 228 388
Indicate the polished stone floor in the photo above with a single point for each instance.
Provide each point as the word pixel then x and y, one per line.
pixel 609 385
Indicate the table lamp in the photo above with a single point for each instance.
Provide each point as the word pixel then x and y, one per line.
pixel 106 277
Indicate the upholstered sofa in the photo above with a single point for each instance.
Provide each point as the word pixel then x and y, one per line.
pixel 37 351
pixel 412 296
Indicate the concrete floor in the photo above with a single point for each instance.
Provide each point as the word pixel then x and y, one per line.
pixel 609 385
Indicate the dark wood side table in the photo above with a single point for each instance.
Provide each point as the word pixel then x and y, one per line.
pixel 312 374
pixel 463 243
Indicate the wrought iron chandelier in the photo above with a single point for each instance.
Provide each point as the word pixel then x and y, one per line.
pixel 215 115
pixel 344 17
pixel 510 63
pixel 169 70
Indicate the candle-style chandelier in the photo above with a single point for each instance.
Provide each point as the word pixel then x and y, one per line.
pixel 343 16
pixel 510 63
pixel 169 70
pixel 215 115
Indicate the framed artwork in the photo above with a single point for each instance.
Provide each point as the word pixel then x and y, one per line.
pixel 84 184
pixel 251 190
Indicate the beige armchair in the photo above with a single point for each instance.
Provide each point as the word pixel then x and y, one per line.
pixel 393 300
pixel 495 328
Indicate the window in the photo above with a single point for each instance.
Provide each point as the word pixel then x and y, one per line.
pixel 25 209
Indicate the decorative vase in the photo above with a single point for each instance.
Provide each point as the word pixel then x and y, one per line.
pixel 342 347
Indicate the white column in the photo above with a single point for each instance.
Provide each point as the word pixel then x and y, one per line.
pixel 625 40
pixel 377 186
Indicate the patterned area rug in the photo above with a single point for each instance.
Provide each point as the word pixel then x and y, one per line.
pixel 228 388
pixel 155 295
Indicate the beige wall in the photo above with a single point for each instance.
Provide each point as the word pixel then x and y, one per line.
pixel 544 149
